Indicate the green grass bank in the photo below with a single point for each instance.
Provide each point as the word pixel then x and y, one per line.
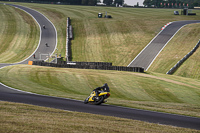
pixel 120 39
pixel 19 34
pixel 117 40
pixel 182 43
pixel 153 91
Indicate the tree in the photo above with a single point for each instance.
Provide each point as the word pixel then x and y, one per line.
pixel 92 2
pixel 120 2
pixel 107 2
pixel 148 3
pixel 84 2
pixel 89 2
pixel 74 2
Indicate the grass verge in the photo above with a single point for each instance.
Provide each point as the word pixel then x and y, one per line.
pixel 19 118
pixel 144 91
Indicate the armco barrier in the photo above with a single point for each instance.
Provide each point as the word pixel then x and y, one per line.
pixel 69 36
pixel 86 63
pixel 89 65
pixel 173 69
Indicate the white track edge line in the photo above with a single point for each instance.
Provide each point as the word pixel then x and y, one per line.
pixel 144 48
pixel 40 32
pixel 166 44
pixel 32 54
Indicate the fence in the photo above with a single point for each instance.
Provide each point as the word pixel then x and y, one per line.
pixel 173 69
pixel 89 65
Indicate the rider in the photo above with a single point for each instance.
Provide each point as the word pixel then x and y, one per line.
pixel 102 88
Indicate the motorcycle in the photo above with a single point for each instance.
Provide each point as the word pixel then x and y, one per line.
pixel 99 95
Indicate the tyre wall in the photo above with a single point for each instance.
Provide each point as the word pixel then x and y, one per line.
pixel 89 65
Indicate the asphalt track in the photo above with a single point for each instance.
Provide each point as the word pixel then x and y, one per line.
pixel 13 95
pixel 146 57
pixel 47 35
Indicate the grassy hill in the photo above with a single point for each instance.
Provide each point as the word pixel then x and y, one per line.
pixel 19 35
pixel 153 91
pixel 120 39
pixel 182 43
pixel 116 40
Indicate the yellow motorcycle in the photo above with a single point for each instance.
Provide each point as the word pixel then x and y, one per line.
pixel 98 95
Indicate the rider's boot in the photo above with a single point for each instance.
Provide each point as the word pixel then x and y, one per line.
pixel 97 93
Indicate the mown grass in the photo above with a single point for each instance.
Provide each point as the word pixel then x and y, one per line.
pixel 191 68
pixel 19 35
pixel 145 91
pixel 117 40
pixel 120 39
pixel 182 43
pixel 19 118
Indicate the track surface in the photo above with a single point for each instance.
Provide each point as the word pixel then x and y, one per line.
pixel 151 51
pixel 10 94
pixel 47 35
pixel 72 105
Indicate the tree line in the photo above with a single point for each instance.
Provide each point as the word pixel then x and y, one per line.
pixel 171 3
pixel 73 2
pixel 94 2
pixel 147 3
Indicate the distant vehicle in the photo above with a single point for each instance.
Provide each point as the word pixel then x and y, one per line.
pixel 176 13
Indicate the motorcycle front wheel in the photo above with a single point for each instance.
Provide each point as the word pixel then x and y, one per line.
pixel 85 101
pixel 98 100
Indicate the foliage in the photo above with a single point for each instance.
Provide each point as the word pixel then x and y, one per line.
pixel 89 2
pixel 108 2
pixel 120 2
pixel 171 3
